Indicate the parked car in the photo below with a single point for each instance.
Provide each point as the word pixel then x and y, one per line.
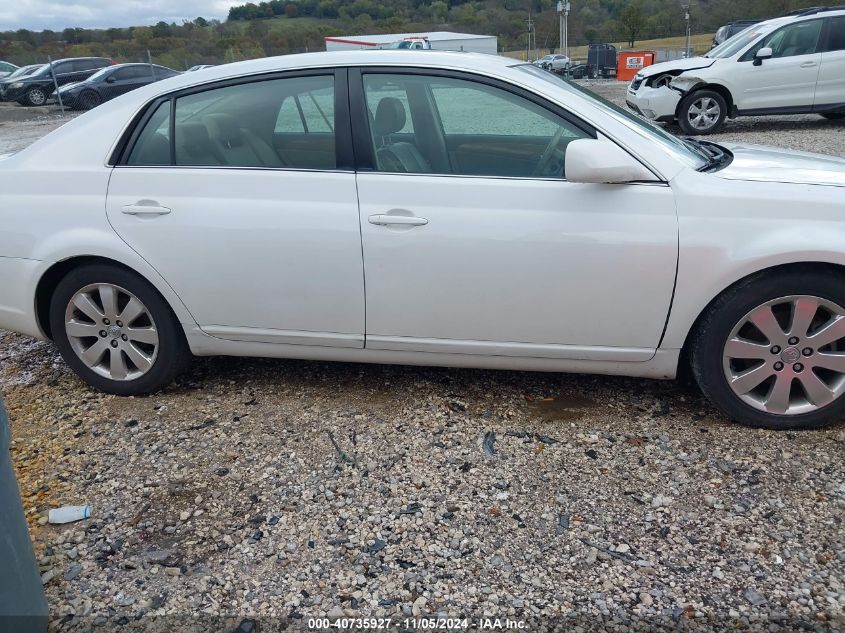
pixel 23 71
pixel 34 89
pixel 237 212
pixel 556 63
pixel 788 65
pixel 110 82
pixel 724 33
pixel 6 69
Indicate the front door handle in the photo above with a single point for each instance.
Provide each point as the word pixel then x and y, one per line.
pixel 145 209
pixel 808 64
pixel 404 220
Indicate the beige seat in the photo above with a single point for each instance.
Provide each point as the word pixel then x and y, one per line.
pixel 194 146
pixel 239 147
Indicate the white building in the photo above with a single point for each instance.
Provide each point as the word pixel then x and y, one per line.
pixel 438 40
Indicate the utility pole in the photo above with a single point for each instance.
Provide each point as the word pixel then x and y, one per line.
pixel 560 19
pixel 529 48
pixel 566 26
pixel 686 17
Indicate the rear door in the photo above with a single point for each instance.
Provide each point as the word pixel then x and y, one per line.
pixel 259 246
pixel 474 242
pixel 787 80
pixel 830 90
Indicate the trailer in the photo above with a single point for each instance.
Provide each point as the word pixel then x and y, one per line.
pixel 435 40
pixel 601 61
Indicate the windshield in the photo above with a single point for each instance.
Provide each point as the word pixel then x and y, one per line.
pixel 101 73
pixel 26 70
pixel 684 151
pixel 738 42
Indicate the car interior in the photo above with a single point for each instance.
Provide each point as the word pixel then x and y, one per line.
pixel 418 124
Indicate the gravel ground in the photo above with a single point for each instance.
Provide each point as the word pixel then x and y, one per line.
pixel 261 493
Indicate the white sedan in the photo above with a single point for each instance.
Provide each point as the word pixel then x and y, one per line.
pixel 429 208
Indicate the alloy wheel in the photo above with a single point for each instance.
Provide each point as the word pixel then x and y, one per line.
pixel 704 113
pixel 112 332
pixel 37 96
pixel 787 356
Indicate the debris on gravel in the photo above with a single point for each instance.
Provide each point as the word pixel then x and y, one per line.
pixel 266 492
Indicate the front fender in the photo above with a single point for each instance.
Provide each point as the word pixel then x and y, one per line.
pixel 729 230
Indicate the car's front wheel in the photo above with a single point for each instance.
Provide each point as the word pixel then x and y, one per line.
pixel 89 100
pixel 116 331
pixel 35 97
pixel 770 352
pixel 702 112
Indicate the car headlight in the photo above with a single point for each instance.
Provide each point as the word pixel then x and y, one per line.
pixel 16 85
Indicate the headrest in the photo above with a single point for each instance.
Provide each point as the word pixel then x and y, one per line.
pixel 224 128
pixel 191 133
pixel 390 116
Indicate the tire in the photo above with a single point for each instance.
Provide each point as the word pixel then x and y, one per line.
pixel 834 116
pixel 88 100
pixel 147 365
pixel 715 369
pixel 35 97
pixel 713 110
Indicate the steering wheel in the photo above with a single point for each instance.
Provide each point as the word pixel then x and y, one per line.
pixel 548 153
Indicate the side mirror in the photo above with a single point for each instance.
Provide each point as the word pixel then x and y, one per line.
pixel 763 53
pixel 602 161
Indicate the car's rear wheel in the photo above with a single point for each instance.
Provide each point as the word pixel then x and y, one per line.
pixel 89 99
pixel 116 331
pixel 702 112
pixel 770 352
pixel 35 97
pixel 834 116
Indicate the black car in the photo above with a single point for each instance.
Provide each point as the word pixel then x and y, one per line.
pixel 729 30
pixel 23 71
pixel 34 89
pixel 111 82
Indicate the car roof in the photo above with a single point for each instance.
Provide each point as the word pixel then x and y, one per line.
pixel 478 63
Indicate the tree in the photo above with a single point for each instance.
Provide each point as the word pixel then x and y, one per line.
pixel 631 20
pixel 291 11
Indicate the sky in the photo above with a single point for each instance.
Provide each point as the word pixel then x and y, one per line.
pixel 38 15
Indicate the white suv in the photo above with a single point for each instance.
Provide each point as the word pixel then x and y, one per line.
pixel 788 65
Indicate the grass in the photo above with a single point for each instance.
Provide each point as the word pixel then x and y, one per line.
pixel 700 44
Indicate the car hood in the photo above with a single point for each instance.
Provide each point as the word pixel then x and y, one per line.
pixel 773 164
pixel 70 86
pixel 677 64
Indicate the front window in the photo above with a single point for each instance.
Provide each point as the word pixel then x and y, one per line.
pixel 439 125
pixel 679 148
pixel 790 41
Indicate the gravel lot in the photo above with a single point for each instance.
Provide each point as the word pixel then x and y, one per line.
pixel 262 493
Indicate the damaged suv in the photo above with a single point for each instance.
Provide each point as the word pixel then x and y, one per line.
pixel 788 65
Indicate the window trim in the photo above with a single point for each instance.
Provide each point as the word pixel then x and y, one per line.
pixel 344 157
pixel 361 135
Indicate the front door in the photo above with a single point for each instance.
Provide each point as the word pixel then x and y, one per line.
pixel 788 78
pixel 260 241
pixel 474 242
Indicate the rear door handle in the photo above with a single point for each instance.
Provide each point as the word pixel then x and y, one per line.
pixel 404 220
pixel 145 209
pixel 808 64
